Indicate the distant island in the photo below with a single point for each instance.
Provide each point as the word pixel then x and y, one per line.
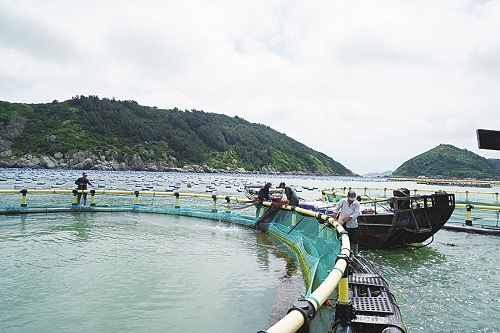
pixel 87 132
pixel 449 162
pixel 387 173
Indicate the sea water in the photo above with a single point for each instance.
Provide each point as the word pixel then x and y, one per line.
pixel 129 272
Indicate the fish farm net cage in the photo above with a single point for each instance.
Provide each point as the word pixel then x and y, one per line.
pixel 316 244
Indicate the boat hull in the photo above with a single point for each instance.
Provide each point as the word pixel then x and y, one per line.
pixel 412 220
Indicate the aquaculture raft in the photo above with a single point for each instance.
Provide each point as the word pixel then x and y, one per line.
pixel 322 244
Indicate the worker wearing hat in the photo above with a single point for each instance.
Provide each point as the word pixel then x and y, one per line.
pixel 346 212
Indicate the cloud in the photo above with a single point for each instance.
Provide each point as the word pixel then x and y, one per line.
pixel 370 84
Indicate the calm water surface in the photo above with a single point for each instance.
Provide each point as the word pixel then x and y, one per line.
pixel 134 273
pixel 126 272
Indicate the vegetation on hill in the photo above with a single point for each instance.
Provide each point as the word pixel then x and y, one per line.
pixel 447 161
pixel 495 162
pixel 124 130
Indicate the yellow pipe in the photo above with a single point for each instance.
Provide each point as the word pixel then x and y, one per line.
pixel 294 320
pixel 214 206
pixel 343 291
pixel 468 218
pixel 23 198
pixel 299 210
pixel 482 207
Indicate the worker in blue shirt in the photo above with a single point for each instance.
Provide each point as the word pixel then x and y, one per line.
pixel 82 183
pixel 264 193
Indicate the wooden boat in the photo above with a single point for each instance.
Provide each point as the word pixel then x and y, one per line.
pixel 403 219
pixel 395 222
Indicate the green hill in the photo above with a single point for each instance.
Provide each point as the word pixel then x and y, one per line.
pixel 495 162
pixel 89 132
pixel 447 161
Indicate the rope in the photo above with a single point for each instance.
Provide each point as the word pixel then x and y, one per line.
pixel 341 271
pixel 424 245
pixel 315 300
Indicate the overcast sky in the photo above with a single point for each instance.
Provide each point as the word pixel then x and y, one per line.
pixel 369 83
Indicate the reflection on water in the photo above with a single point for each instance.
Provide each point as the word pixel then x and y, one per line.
pixel 78 225
pixel 278 250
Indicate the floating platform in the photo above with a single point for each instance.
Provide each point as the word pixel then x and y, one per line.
pixel 374 308
pixel 482 229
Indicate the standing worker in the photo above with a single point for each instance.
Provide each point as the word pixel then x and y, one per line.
pixel 290 194
pixel 82 185
pixel 347 211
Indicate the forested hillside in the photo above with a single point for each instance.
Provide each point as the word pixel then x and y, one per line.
pixel 114 134
pixel 447 161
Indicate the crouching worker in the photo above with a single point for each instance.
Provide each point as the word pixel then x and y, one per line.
pixel 346 212
pixel 290 195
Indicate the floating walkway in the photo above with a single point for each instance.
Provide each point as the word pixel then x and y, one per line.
pixel 485 230
pixel 449 182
